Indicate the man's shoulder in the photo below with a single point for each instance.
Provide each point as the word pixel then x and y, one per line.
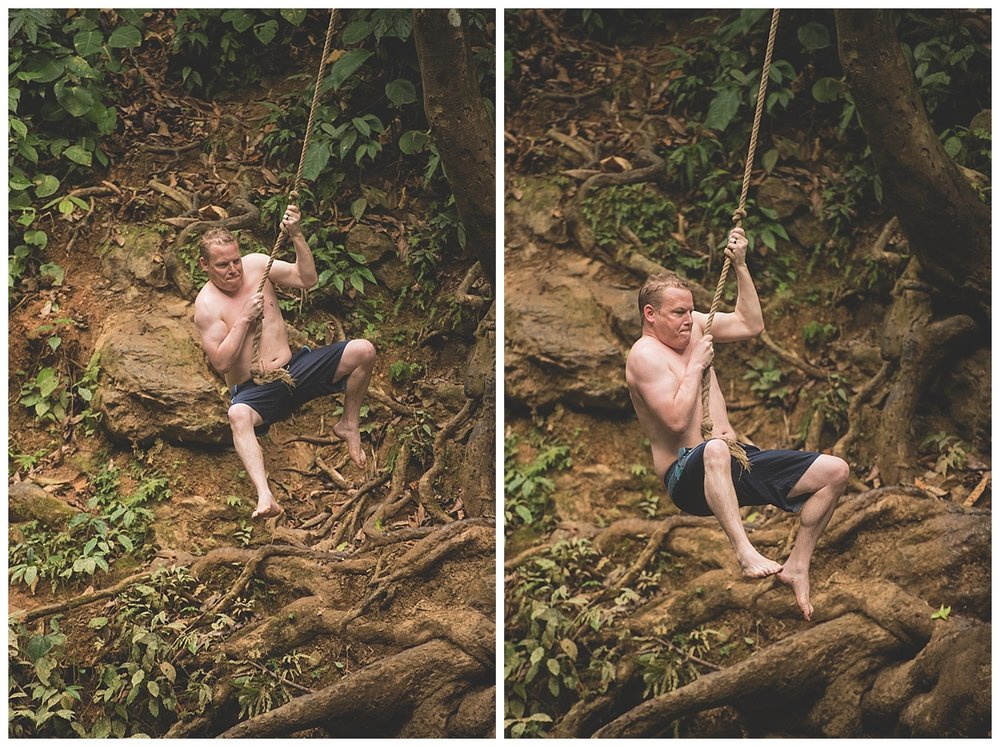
pixel 647 354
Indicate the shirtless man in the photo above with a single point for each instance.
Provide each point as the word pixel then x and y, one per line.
pixel 664 373
pixel 226 312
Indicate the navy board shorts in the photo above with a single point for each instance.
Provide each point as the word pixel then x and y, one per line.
pixel 313 372
pixel 772 474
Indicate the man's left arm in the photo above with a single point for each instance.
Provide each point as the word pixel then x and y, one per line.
pixel 302 272
pixel 748 319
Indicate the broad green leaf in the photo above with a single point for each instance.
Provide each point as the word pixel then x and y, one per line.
pixel 358 208
pixel 827 90
pixel 21 182
pixel 266 31
pixel 401 91
pixel 356 31
pixel 38 646
pixel 722 109
pixel 413 141
pixel 46 185
pixel 344 68
pixel 569 647
pixel 43 668
pixel 240 19
pixel 361 126
pixel 97 622
pixel 154 688
pixel 357 283
pixel 294 16
pixel 125 37
pixel 770 160
pixel 36 238
pixel 316 159
pixel 87 43
pixel 78 154
pixel 346 143
pixel 30 575
pixel 77 100
pixel 814 36
pixel 553 666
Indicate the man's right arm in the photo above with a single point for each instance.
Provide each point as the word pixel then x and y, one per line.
pixel 671 399
pixel 221 344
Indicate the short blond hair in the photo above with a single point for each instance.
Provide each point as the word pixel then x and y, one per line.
pixel 215 237
pixel 650 291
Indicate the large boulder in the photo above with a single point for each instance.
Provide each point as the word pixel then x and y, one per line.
pixel 155 382
pixel 567 333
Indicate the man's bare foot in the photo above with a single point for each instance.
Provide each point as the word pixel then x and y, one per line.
pixel 266 508
pixel 755 565
pixel 353 438
pixel 800 585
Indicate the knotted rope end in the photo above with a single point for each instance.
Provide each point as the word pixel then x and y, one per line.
pixel 277 374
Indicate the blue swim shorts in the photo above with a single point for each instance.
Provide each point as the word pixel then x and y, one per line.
pixel 772 474
pixel 313 372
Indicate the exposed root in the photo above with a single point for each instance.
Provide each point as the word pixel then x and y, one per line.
pixel 865 393
pixel 426 484
pixel 353 705
pixel 80 601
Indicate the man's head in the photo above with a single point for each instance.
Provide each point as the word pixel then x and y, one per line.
pixel 665 306
pixel 220 259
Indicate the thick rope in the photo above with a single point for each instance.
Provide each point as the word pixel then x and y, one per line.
pixel 256 368
pixel 738 215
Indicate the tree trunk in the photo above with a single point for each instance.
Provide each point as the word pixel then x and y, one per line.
pixel 461 126
pixel 946 289
pixel 947 225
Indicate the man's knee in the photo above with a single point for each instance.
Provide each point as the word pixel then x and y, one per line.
pixel 359 353
pixel 242 417
pixel 716 454
pixel 837 471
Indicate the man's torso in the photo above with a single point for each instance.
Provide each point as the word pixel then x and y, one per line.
pixel 664 442
pixel 274 349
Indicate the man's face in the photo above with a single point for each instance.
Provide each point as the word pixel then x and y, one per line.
pixel 672 322
pixel 224 267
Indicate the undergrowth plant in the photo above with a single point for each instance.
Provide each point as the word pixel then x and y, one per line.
pixel 527 486
pixel 113 527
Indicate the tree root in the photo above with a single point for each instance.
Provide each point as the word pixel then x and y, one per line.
pixel 426 484
pixel 389 506
pixel 362 699
pixel 783 670
pixel 83 600
pixel 793 358
pixel 422 556
pixel 865 393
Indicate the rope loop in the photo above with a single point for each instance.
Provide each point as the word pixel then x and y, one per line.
pixel 738 215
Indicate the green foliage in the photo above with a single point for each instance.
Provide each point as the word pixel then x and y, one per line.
pixel 941 613
pixel 816 334
pixel 527 489
pixel 402 373
pixel 951 453
pixel 114 527
pixel 766 380
pixel 214 50
pixel 83 392
pixel 60 108
pixel 40 698
pixel 259 691
pixel 46 395
pixel 137 689
pixel 640 208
